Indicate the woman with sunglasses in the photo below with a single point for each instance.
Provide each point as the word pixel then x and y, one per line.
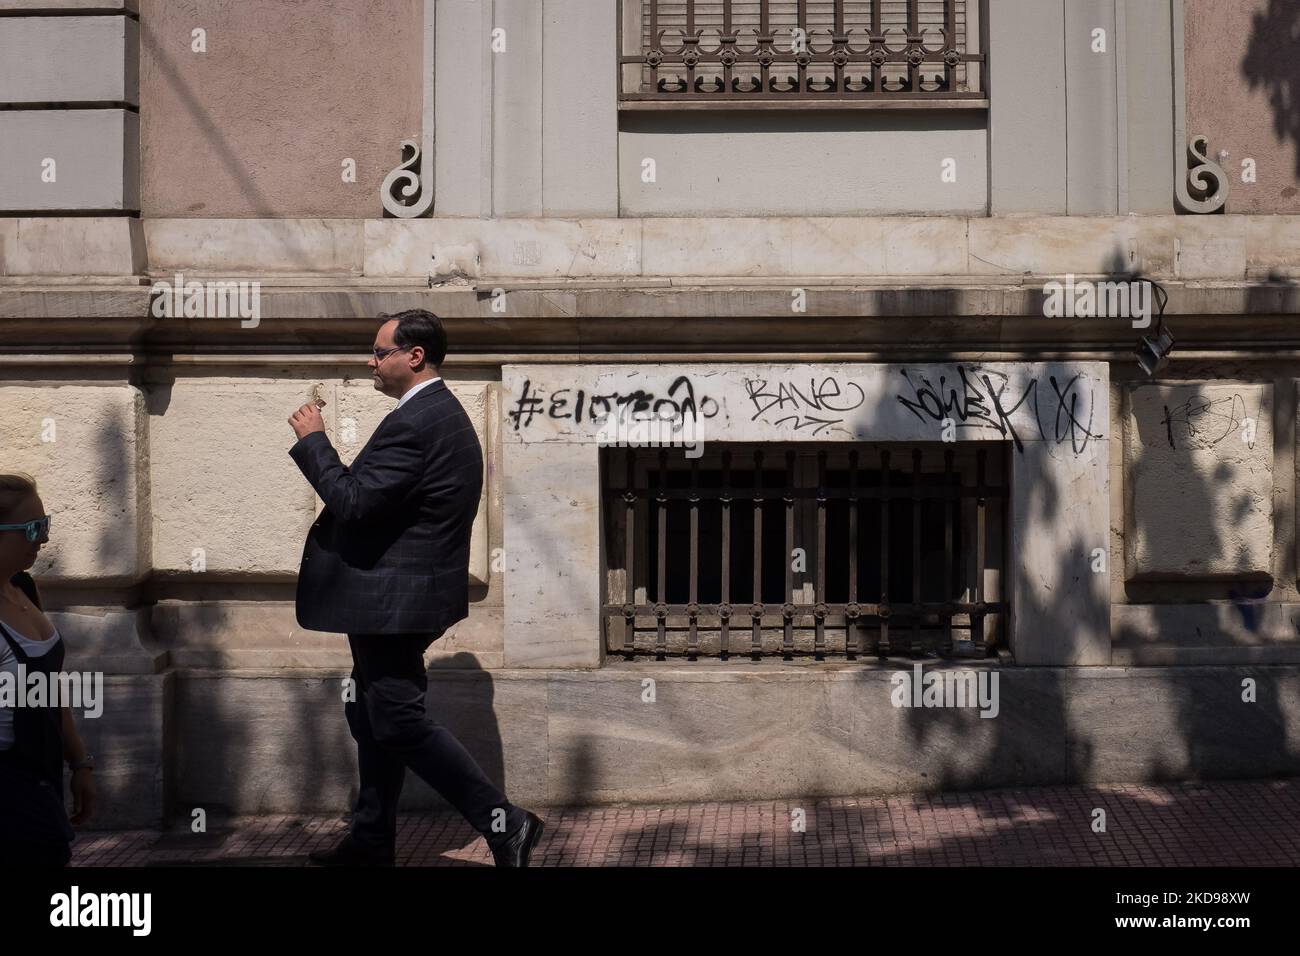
pixel 34 741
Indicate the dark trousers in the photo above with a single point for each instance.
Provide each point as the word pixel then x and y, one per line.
pixel 393 732
pixel 34 828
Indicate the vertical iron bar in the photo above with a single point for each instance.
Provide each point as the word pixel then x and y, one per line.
pixel 690 44
pixel 725 608
pixel 977 619
pixel 950 43
pixel 947 544
pixel 882 648
pixel 916 550
pixel 819 598
pixel 913 30
pixel 654 43
pixel 787 639
pixel 756 611
pixel 841 83
pixel 661 641
pixel 852 623
pixel 726 32
pixel 693 645
pixel 629 556
pixel 801 17
pixel 876 43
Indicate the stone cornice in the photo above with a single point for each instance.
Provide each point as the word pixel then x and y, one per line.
pixel 741 317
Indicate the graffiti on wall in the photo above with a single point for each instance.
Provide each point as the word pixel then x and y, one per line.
pixel 1058 410
pixel 677 405
pixel 1203 421
pixel 791 403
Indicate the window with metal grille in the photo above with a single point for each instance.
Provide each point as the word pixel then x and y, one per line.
pixel 815 549
pixel 832 53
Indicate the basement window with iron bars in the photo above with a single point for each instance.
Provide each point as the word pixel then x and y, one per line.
pixel 810 550
pixel 835 54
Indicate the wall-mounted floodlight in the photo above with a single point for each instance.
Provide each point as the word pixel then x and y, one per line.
pixel 1153 350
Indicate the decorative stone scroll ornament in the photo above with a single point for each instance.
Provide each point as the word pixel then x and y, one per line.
pixel 1194 184
pixel 1192 169
pixel 406 193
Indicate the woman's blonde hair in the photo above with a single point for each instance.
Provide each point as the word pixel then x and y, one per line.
pixel 14 490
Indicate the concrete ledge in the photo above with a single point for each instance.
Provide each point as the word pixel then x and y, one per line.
pixel 109 640
pixel 1214 624
pixel 254 245
pixel 893 249
pixel 1165 655
pixel 83 246
pixel 270 745
pixel 263 637
pixel 1216 632
pixel 1186 247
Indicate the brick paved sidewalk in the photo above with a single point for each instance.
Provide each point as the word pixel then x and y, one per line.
pixel 1214 824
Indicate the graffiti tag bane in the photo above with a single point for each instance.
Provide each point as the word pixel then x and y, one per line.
pixel 985 399
pixel 827 397
pixel 678 405
pixel 1206 420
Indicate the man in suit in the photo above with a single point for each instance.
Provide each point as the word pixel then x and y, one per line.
pixel 387 563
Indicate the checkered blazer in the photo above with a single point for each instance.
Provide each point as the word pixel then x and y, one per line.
pixel 390 552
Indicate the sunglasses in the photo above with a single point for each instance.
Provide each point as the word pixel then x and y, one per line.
pixel 35 529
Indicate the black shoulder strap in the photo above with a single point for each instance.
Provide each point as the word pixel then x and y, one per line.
pixel 23 581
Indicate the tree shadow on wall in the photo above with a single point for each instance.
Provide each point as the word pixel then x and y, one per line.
pixel 1271 64
pixel 1057 725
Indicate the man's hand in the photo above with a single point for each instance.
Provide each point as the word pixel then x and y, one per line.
pixel 307 420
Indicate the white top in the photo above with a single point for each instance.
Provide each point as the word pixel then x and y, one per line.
pixel 410 392
pixel 9 664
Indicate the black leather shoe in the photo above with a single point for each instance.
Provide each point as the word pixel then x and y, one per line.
pixel 516 849
pixel 349 853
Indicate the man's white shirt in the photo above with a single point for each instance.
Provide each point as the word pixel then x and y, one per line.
pixel 410 392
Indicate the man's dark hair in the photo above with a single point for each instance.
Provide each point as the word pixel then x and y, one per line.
pixel 420 327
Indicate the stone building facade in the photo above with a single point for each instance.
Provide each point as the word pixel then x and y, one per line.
pixel 865 261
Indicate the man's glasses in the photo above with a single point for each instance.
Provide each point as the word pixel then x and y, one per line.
pixel 381 354
pixel 37 529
